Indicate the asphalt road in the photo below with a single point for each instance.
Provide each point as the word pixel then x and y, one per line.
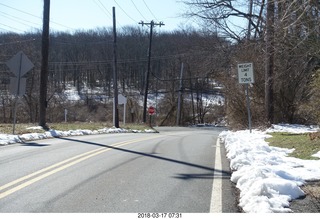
pixel 171 171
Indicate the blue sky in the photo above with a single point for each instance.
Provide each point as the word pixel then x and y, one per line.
pixel 70 15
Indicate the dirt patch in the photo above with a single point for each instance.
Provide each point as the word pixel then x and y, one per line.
pixel 311 202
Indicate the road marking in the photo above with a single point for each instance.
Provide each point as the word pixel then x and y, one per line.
pixel 216 195
pixel 45 169
pixel 61 166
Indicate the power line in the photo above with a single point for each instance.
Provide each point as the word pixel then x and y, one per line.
pixel 150 10
pixel 138 10
pixel 24 12
pixel 125 12
pixel 11 27
pixel 20 11
pixel 16 19
pixel 103 8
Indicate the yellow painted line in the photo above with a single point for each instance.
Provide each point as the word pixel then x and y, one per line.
pixel 56 168
pixel 45 169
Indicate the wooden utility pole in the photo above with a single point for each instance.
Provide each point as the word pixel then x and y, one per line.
pixel 180 97
pixel 247 85
pixel 269 70
pixel 115 73
pixel 44 65
pixel 152 24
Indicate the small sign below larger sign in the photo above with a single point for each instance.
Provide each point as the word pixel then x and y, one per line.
pixel 245 73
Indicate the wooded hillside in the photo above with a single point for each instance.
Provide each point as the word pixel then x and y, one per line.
pixel 83 61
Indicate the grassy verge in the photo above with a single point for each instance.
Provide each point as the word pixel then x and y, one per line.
pixel 23 128
pixel 304 147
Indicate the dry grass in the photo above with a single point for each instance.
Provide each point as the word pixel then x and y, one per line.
pixel 304 147
pixel 25 128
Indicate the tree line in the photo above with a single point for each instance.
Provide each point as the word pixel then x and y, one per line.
pixel 83 61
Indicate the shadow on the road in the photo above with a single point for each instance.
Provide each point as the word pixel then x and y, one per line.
pixel 188 176
pixel 34 144
pixel 182 176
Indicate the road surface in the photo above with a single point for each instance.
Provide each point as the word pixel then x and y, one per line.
pixel 174 170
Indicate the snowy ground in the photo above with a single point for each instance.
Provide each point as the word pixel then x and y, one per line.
pixel 267 178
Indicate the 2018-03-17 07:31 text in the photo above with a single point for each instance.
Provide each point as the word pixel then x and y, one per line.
pixel 159 215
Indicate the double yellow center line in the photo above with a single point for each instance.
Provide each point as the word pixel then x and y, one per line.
pixel 48 171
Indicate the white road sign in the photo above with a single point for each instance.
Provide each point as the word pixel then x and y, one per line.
pixel 245 73
pixel 122 99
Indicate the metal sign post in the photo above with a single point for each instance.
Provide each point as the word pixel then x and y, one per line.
pixel 151 111
pixel 123 100
pixel 18 65
pixel 245 76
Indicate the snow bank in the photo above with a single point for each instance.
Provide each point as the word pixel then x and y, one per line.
pixel 267 178
pixel 293 128
pixel 8 139
pixel 11 139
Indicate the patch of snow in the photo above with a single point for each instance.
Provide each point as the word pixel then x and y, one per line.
pixel 267 178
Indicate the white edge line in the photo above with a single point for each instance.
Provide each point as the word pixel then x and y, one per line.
pixel 216 194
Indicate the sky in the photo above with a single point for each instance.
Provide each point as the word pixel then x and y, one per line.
pixel 70 15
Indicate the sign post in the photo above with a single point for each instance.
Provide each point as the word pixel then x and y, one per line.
pixel 151 111
pixel 18 65
pixel 245 76
pixel 123 100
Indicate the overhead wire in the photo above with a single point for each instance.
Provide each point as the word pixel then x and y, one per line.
pixel 103 8
pixel 38 17
pixel 99 4
pixel 150 10
pixel 138 10
pixel 125 12
pixel 16 19
pixel 24 12
pixel 11 27
pixel 126 61
pixel 106 11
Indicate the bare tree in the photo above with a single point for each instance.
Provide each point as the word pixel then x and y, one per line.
pixel 228 17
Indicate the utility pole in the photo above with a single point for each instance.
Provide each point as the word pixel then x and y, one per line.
pixel 247 85
pixel 269 70
pixel 44 65
pixel 115 73
pixel 250 20
pixel 152 24
pixel 180 97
